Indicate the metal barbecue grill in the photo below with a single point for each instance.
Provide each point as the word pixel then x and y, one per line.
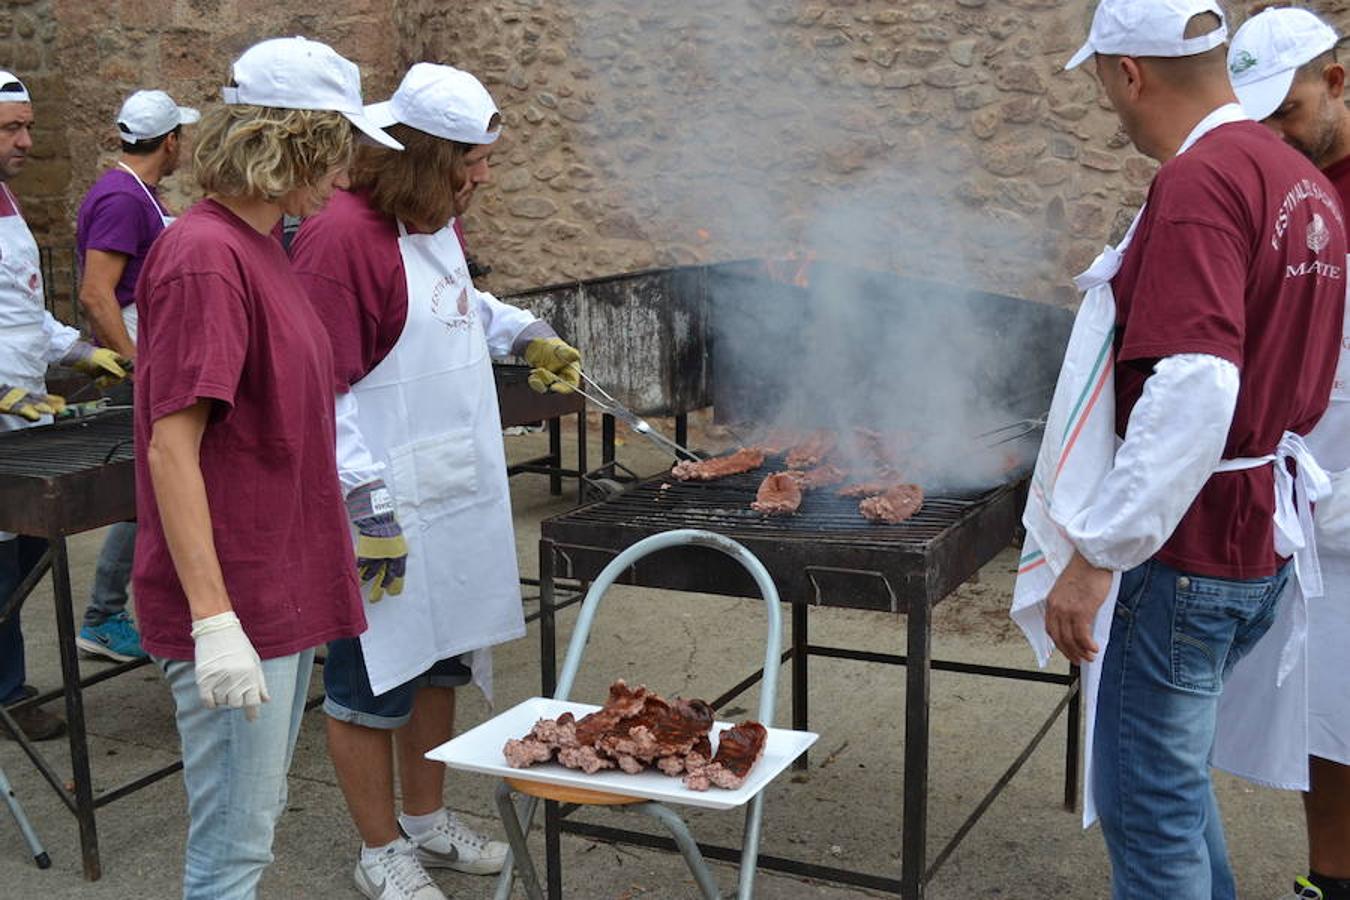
pixel 55 481
pixel 827 554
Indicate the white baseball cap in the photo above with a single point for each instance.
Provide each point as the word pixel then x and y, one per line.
pixel 296 73
pixel 1149 28
pixel 147 115
pixel 443 101
pixel 1268 51
pixel 12 90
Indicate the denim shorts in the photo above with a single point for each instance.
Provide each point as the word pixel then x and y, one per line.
pixel 347 693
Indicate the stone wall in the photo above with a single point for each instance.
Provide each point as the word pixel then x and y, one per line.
pixel 937 137
pixel 105 50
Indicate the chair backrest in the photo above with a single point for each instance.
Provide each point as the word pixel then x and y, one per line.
pixel 682 537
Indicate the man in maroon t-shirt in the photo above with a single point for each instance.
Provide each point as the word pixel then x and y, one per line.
pixel 1284 70
pixel 1229 301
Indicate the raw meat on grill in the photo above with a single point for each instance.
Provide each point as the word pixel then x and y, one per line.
pixel 778 495
pixel 894 506
pixel 812 451
pixel 819 477
pixel 746 459
pixel 738 749
pixel 636 729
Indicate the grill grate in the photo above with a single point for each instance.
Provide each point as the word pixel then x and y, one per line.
pixel 724 506
pixel 68 447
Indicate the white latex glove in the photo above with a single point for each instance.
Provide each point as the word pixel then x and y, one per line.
pixel 229 672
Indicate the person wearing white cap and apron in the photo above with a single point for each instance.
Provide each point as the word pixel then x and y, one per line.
pixel 420 430
pixel 119 219
pixel 30 339
pixel 243 560
pixel 1284 70
pixel 1173 484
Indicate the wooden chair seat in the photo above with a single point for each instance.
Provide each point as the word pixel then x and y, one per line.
pixel 568 794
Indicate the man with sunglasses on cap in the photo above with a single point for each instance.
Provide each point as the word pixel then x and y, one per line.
pixel 30 339
pixel 1172 514
pixel 413 341
pixel 1284 70
pixel 119 219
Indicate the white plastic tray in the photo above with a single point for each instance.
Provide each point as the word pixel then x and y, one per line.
pixel 480 750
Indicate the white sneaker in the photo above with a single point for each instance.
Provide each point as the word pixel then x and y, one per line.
pixel 454 845
pixel 395 874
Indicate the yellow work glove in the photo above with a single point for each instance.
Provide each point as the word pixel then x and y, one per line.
pixel 18 402
pixel 557 365
pixel 381 550
pixel 105 366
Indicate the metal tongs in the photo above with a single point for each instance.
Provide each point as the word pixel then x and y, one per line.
pixel 1006 434
pixel 610 406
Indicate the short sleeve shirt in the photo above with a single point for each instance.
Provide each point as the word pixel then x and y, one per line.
pixel 223 318
pixel 348 260
pixel 1240 254
pixel 118 215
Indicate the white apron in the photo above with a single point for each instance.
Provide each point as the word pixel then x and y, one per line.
pixel 1308 713
pixel 429 412
pixel 129 314
pixel 1078 451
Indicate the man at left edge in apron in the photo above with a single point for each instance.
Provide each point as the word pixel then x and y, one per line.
pixel 420 455
pixel 30 339
pixel 119 219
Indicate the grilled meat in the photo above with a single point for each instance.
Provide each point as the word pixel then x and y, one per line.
pixel 778 495
pixel 746 459
pixel 894 506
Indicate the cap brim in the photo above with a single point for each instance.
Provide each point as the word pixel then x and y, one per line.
pixel 188 116
pixel 381 115
pixel 370 130
pixel 1084 53
pixel 1261 98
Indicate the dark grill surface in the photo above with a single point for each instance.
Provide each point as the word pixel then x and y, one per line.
pixel 69 477
pixel 67 447
pixel 724 506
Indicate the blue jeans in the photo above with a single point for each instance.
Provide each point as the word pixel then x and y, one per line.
pixel 235 774
pixel 1174 639
pixel 112 575
pixel 17 559
pixel 347 693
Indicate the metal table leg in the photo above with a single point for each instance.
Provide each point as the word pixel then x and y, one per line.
pixel 553 849
pixel 1072 743
pixel 606 439
pixel 800 655
pixel 548 642
pixel 914 837
pixel 682 429
pixel 555 455
pixel 70 677
pixel 582 468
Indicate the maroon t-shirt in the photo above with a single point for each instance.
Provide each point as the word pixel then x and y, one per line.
pixel 223 318
pixel 348 261
pixel 1241 255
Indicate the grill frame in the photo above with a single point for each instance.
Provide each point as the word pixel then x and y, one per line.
pixel 863 566
pixel 68 477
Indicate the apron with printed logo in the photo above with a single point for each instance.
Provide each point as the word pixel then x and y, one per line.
pixel 429 412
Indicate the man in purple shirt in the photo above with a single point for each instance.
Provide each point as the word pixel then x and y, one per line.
pixel 119 219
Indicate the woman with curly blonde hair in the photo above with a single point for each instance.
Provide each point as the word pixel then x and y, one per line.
pixel 243 558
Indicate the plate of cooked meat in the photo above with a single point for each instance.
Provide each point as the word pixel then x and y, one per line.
pixel 638 744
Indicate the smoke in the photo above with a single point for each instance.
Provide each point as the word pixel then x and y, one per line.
pixel 749 128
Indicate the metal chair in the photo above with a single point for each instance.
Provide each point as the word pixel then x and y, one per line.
pixel 535 791
pixel 34 845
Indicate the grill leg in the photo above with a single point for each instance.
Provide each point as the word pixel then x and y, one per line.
pixel 553 848
pixel 582 469
pixel 799 663
pixel 606 439
pixel 555 455
pixel 914 840
pixel 682 430
pixel 79 743
pixel 1071 751
pixel 548 644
